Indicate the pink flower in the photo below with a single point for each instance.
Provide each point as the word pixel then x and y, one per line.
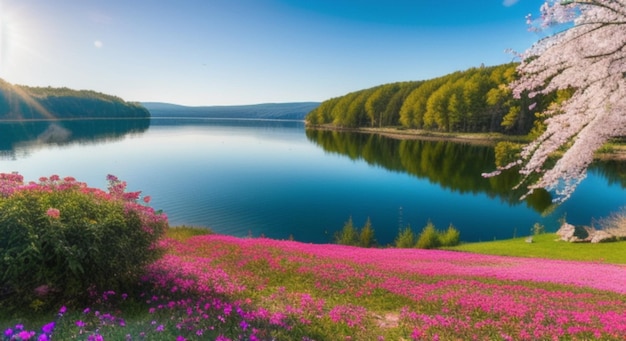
pixel 53 213
pixel 146 199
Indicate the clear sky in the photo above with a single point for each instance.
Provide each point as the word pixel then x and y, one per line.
pixel 223 52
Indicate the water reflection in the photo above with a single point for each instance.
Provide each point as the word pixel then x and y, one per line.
pixel 454 166
pixel 27 135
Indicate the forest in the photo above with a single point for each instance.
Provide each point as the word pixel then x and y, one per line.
pixel 19 102
pixel 474 100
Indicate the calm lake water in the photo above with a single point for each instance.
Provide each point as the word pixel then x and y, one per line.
pixel 273 178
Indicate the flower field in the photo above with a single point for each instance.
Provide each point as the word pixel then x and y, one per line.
pixel 227 288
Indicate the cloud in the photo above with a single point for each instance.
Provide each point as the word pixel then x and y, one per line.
pixel 509 3
pixel 98 44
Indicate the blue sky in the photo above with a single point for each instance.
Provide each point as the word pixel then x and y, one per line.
pixel 224 52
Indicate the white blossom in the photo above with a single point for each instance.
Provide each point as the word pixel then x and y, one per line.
pixel 589 57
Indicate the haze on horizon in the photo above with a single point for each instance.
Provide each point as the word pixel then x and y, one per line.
pixel 229 52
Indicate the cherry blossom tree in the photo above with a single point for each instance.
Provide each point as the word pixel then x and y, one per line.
pixel 588 58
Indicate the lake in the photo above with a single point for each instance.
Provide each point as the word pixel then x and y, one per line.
pixel 274 178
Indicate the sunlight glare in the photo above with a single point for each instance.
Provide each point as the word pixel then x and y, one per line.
pixel 19 45
pixel 4 44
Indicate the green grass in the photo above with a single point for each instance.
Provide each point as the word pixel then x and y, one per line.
pixel 546 246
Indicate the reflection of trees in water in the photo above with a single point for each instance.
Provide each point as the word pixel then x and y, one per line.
pixel 30 134
pixel 455 166
pixel 613 170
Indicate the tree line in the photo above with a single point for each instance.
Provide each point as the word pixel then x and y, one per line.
pixel 18 102
pixel 429 238
pixel 474 100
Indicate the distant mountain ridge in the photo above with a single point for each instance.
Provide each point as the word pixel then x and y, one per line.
pixel 274 111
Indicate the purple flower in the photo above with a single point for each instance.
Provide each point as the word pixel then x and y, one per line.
pixel 62 310
pixel 80 323
pixel 48 328
pixel 96 337
pixel 8 332
pixel 244 325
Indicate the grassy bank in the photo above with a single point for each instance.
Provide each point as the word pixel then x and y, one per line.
pixel 213 287
pixel 421 134
pixel 547 246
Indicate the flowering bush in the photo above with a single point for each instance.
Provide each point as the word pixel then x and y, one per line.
pixel 62 239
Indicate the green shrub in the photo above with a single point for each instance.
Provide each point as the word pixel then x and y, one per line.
pixel 451 237
pixel 428 238
pixel 348 235
pixel 352 236
pixel 405 238
pixel 366 235
pixel 62 240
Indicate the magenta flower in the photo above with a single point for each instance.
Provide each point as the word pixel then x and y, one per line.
pixel 244 325
pixel 53 213
pixel 8 333
pixel 25 335
pixel 48 328
pixel 96 337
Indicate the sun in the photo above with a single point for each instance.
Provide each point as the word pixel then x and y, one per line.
pixel 16 42
pixel 5 38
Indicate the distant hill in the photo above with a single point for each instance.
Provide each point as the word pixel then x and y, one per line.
pixel 19 102
pixel 276 111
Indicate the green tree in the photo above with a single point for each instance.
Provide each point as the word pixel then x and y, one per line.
pixel 349 235
pixel 339 113
pixel 377 103
pixel 415 106
pixel 429 237
pixel 450 237
pixel 436 115
pixel 405 238
pixel 366 235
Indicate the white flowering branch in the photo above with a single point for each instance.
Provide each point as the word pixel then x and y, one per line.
pixel 588 58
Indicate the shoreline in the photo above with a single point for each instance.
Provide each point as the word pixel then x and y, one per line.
pixel 617 152
pixel 488 139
